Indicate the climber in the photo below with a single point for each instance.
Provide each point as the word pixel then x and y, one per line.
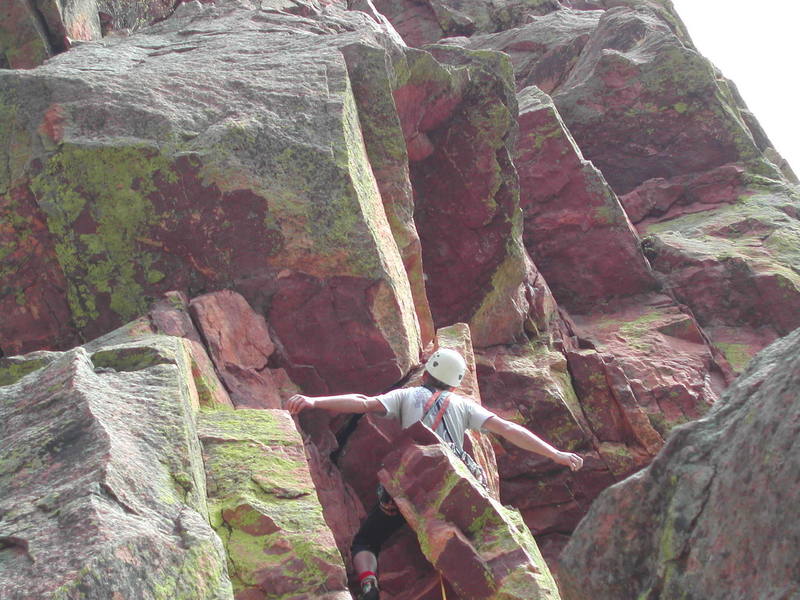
pixel 449 415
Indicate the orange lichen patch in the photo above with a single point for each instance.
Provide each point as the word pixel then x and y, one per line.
pixel 52 125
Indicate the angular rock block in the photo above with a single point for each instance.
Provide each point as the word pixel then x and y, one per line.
pixel 652 358
pixel 483 549
pixel 531 386
pixel 262 186
pixel 641 103
pixel 457 111
pixel 576 231
pixel 712 516
pixel 733 261
pixel 170 316
pixel 263 504
pixel 240 346
pixel 372 78
pixel 544 49
pixel 102 488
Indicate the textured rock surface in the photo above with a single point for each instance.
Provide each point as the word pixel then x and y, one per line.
pixel 575 228
pixel 482 548
pixel 184 167
pixel 33 30
pixel 733 260
pixel 458 120
pixel 263 504
pixel 170 316
pixel 530 385
pixel 424 22
pixel 103 489
pixel 544 50
pixel 641 104
pixel 373 83
pixel 354 195
pixel 654 354
pixel 712 516
pixel 239 343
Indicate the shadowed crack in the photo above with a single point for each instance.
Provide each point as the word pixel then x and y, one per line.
pixel 17 546
pixel 111 494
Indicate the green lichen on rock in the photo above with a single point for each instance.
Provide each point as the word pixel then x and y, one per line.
pixel 108 189
pixel 738 355
pixel 125 510
pixel 130 358
pixel 15 368
pixel 264 506
pixel 15 145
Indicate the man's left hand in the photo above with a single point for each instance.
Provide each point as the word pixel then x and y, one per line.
pixel 568 459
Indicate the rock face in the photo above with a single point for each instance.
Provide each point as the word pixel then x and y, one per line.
pixel 263 505
pixel 483 549
pixel 33 30
pixel 103 488
pixel 182 173
pixel 711 517
pixel 314 194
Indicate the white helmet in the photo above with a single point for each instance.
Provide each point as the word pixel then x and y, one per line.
pixel 447 366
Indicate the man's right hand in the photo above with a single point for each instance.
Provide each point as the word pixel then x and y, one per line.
pixel 299 402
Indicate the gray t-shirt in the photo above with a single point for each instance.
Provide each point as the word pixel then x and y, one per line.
pixel 407 404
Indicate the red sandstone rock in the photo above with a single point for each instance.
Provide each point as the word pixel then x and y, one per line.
pixel 171 317
pixel 32 31
pixel 714 515
pixel 575 228
pixel 465 189
pixel 383 136
pixel 732 262
pixel 427 21
pixel 483 549
pixel 193 206
pixel 653 360
pixel 34 309
pixel 240 346
pixel 544 49
pixel 530 385
pixel 642 104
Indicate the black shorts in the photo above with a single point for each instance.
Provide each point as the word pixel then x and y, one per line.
pixel 375 530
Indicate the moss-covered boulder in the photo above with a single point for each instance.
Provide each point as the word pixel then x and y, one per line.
pixel 258 186
pixel 482 548
pixel 102 487
pixel 263 504
pixel 714 515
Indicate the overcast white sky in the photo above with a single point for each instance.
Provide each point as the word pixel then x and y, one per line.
pixel 757 45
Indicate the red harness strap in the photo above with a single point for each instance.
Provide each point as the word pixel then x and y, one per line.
pixel 440 414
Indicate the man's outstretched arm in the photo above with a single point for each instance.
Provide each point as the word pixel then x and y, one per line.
pixel 343 403
pixel 519 436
